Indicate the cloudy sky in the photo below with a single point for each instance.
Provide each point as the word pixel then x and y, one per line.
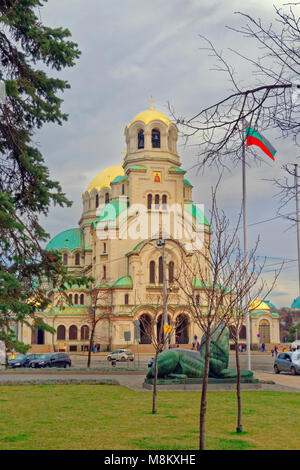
pixel 132 50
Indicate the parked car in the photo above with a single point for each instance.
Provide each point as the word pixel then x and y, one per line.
pixel 287 362
pixel 121 355
pixel 22 360
pixel 51 360
pixel 17 361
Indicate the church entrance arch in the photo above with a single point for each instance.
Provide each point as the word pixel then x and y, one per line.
pixel 145 328
pixel 182 329
pixel 264 331
pixel 37 336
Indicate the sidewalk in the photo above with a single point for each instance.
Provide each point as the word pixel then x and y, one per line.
pixel 134 381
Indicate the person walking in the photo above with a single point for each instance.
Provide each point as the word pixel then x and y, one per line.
pixel 272 351
pixel 276 350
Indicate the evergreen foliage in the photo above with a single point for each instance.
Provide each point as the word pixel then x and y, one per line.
pixel 27 49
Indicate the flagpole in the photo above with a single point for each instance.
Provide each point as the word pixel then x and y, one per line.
pixel 298 224
pixel 245 245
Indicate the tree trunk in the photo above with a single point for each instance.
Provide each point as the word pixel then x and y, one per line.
pixel 238 389
pixel 91 346
pixel 204 396
pixel 155 385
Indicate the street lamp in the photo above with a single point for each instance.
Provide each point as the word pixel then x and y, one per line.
pixel 160 245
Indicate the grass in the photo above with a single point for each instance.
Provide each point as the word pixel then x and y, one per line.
pixel 113 417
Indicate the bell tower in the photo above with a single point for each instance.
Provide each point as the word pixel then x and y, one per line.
pixel 151 163
pixel 151 136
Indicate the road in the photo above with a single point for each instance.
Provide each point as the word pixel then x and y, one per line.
pixel 259 362
pixel 132 375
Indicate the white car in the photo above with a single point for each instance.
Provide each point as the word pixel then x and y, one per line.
pixel 121 355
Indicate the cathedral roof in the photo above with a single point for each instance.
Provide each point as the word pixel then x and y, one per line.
pixel 111 211
pixel 70 239
pixel 105 177
pixel 296 303
pixel 270 304
pixel 125 281
pixel 151 115
pixel 258 305
pixel 197 213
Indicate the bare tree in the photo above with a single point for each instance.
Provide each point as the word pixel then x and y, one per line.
pixel 99 310
pixel 247 272
pixel 216 283
pixel 272 100
pixel 159 338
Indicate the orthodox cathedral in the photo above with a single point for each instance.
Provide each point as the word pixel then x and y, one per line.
pixel 126 208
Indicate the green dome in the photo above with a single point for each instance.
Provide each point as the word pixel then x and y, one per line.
pixel 69 239
pixel 270 304
pixel 125 281
pixel 195 212
pixel 296 303
pixel 120 178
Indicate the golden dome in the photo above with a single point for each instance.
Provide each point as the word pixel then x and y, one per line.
pixel 105 177
pixel 151 115
pixel 258 305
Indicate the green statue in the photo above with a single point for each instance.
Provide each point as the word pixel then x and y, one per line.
pixel 185 363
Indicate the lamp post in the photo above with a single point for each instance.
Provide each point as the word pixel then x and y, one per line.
pixel 160 245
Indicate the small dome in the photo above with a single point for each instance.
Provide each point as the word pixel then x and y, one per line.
pixel 270 304
pixel 257 304
pixel 296 303
pixel 105 177
pixel 151 115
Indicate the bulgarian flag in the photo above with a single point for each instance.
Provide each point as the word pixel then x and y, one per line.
pixel 255 138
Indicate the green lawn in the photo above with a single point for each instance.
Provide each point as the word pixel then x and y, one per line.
pixel 113 417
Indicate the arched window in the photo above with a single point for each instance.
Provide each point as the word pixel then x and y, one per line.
pixel 164 201
pixel 152 272
pixel 70 297
pixel 171 271
pixel 61 332
pixel 73 332
pixel 65 258
pixel 123 189
pixel 197 299
pixel 81 299
pixel 149 201
pixel 97 200
pixel 84 332
pixel 126 300
pixel 106 198
pixel 155 138
pixel 141 139
pixel 156 200
pixel 77 259
pixel 160 270
pixel 76 299
pixel 104 272
pixel 104 247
